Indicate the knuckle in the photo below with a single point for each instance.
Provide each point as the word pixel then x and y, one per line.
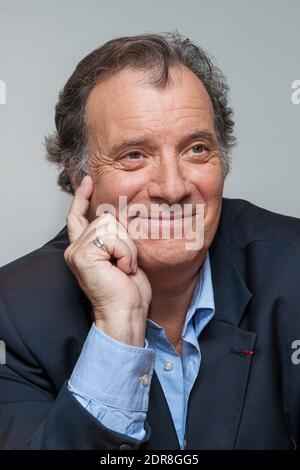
pixel 103 217
pixel 77 258
pixel 67 254
pixel 108 216
pixel 71 253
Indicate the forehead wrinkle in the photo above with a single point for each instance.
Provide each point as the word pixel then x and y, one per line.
pixel 167 109
pixel 130 118
pixel 166 122
pixel 135 129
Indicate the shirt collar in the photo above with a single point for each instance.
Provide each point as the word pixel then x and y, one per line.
pixel 202 306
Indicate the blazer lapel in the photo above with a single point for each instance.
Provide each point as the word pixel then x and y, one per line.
pixel 217 398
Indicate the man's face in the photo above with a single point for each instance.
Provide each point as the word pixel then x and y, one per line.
pixel 156 146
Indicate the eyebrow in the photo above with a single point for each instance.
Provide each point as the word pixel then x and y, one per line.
pixel 128 143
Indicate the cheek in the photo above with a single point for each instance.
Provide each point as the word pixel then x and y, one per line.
pixel 214 187
pixel 209 183
pixel 108 187
pixel 210 186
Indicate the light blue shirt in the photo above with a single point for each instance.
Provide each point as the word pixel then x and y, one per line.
pixel 112 379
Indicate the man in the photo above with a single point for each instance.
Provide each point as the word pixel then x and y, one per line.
pixel 122 342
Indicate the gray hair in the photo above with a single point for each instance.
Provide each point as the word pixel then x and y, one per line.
pixel 152 53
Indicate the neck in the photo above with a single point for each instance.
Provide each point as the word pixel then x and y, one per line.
pixel 171 295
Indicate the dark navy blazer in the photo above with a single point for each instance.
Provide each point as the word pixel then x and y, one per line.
pixel 247 394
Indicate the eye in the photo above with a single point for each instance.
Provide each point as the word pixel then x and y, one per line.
pixel 199 148
pixel 132 156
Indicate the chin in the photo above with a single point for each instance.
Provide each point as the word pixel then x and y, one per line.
pixel 164 254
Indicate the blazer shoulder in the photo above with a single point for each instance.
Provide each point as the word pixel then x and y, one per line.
pixel 36 266
pixel 243 222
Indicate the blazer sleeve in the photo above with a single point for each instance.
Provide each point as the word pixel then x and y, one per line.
pixel 288 306
pixel 290 376
pixel 33 416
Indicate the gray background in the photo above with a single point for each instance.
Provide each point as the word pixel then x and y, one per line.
pixel 256 43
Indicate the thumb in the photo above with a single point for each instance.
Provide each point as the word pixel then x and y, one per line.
pixel 76 218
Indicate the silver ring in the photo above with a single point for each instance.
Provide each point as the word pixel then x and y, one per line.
pixel 99 243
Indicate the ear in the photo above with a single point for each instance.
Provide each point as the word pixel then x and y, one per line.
pixel 73 182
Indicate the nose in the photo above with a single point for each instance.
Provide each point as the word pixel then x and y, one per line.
pixel 168 184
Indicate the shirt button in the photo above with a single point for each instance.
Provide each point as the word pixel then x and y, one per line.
pixel 168 365
pixel 125 447
pixel 144 379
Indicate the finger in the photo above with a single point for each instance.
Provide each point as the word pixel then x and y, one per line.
pixel 108 223
pixel 76 218
pixel 114 247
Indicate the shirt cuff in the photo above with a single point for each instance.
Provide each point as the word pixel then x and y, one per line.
pixel 113 373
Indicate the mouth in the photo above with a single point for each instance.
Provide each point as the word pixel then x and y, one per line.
pixel 167 216
pixel 167 220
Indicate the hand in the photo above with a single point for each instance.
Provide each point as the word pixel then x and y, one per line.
pixel 119 293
